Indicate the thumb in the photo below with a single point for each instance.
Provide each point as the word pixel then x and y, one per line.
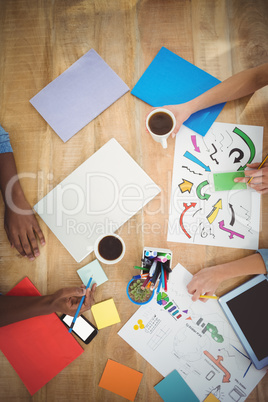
pixel 73 292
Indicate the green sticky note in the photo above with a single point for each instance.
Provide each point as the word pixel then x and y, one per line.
pixel 225 181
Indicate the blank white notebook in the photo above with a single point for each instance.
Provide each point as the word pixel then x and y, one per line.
pixel 97 198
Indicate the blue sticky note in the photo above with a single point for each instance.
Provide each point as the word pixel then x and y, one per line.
pixel 173 388
pixel 171 80
pixel 93 268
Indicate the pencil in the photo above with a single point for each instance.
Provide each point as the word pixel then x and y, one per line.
pixel 207 297
pixel 79 307
pixel 159 284
pixel 263 162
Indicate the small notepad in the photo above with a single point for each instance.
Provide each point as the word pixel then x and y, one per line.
pixel 93 268
pixel 121 380
pixel 211 398
pixel 173 388
pixel 225 181
pixel 105 313
pixel 79 94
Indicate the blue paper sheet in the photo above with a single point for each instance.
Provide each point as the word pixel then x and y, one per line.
pixel 171 80
pixel 173 388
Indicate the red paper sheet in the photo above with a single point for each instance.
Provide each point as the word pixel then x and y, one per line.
pixel 38 348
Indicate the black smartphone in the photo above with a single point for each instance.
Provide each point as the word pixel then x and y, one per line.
pixel 82 327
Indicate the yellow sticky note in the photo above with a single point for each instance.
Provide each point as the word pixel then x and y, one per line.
pixel 211 398
pixel 105 313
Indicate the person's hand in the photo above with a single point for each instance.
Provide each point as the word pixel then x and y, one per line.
pixel 259 180
pixel 181 112
pixel 204 282
pixel 22 228
pixel 67 300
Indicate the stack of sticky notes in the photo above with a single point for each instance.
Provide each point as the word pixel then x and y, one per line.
pixel 105 313
pixel 121 380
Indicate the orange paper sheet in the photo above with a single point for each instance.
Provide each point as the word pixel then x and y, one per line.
pixel 37 348
pixel 121 380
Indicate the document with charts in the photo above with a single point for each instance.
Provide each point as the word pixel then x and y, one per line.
pixel 174 333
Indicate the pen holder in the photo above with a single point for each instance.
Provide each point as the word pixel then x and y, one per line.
pixel 136 295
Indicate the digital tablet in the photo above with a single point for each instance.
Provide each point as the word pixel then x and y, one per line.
pixel 246 308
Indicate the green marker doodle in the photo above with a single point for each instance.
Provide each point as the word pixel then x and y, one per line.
pixel 249 143
pixel 198 191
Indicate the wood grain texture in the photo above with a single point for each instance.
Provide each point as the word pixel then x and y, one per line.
pixel 38 41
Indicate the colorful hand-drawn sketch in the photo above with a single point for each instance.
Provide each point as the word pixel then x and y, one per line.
pixel 194 338
pixel 198 213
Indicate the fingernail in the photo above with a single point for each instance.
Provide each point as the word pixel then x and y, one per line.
pixel 43 242
pixel 37 253
pixel 31 258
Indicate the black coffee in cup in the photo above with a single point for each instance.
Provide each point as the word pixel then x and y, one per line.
pixel 160 123
pixel 110 248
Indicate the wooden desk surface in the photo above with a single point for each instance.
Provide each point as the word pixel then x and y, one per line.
pixel 38 41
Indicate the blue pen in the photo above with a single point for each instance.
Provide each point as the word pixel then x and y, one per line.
pixel 79 307
pixel 162 276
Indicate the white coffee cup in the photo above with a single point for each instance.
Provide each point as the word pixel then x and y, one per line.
pixel 104 251
pixel 162 138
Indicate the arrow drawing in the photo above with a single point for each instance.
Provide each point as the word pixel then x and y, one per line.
pixel 232 233
pixel 200 209
pixel 186 207
pixel 231 138
pixel 227 375
pixel 192 158
pixel 213 214
pixel 247 215
pixel 249 143
pixel 185 186
pixel 221 142
pixel 196 148
pixel 205 145
pixel 215 151
pixel 191 171
pixel 198 191
pixel 233 215
pixel 237 158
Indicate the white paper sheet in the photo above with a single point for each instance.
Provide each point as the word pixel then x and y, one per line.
pixel 97 198
pixel 198 214
pixel 197 341
pixel 79 94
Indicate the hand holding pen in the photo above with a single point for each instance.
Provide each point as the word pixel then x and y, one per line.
pixel 85 303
